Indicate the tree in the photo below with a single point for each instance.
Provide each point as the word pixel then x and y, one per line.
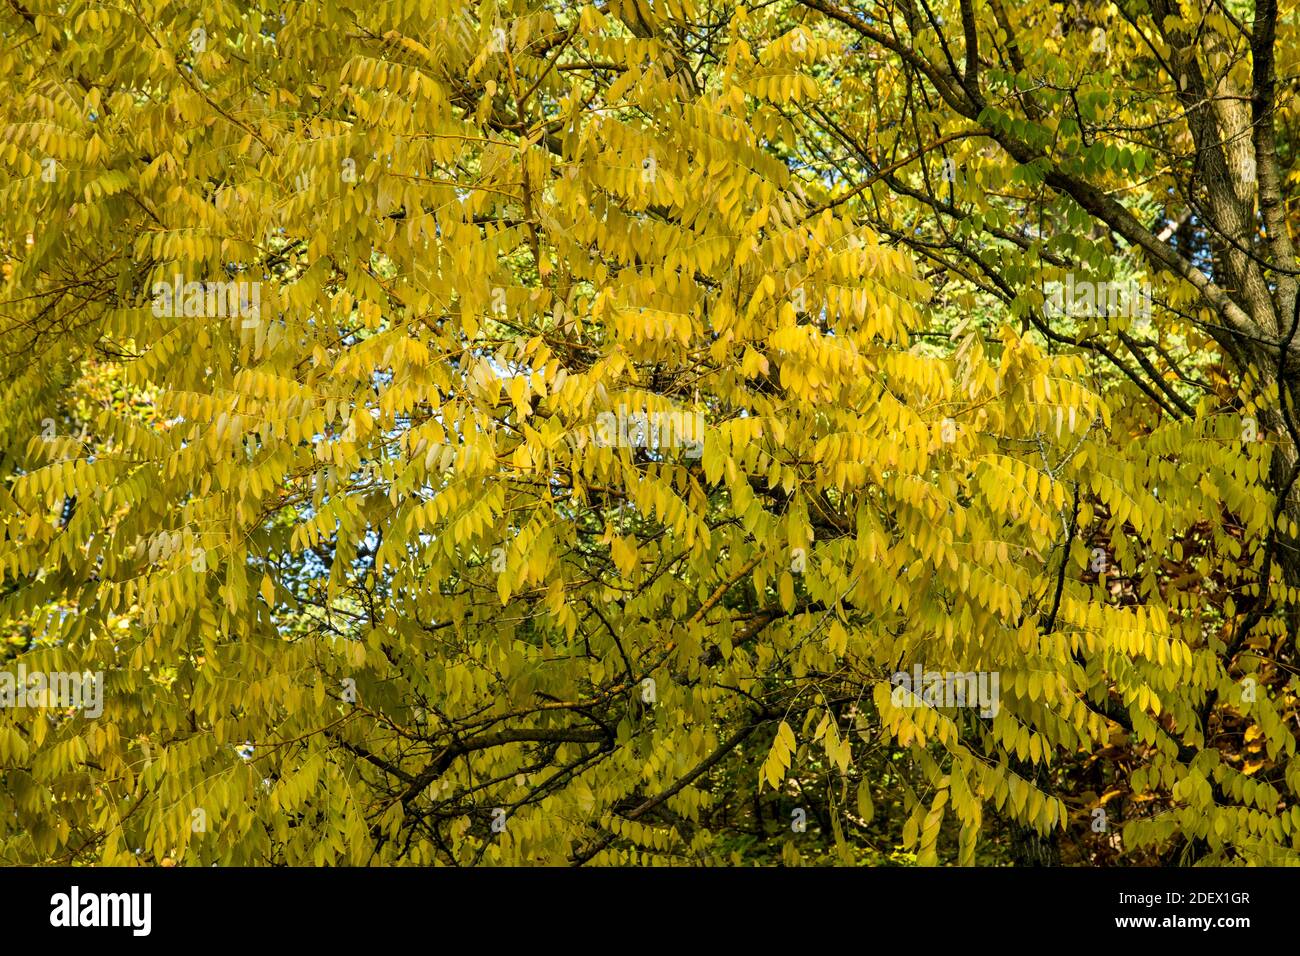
pixel 614 434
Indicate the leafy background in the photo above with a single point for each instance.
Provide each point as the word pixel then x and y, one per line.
pixel 365 586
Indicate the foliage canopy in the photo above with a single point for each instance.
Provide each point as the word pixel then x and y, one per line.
pixel 369 574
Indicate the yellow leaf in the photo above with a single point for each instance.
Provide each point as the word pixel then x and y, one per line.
pixel 623 551
pixel 787 591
